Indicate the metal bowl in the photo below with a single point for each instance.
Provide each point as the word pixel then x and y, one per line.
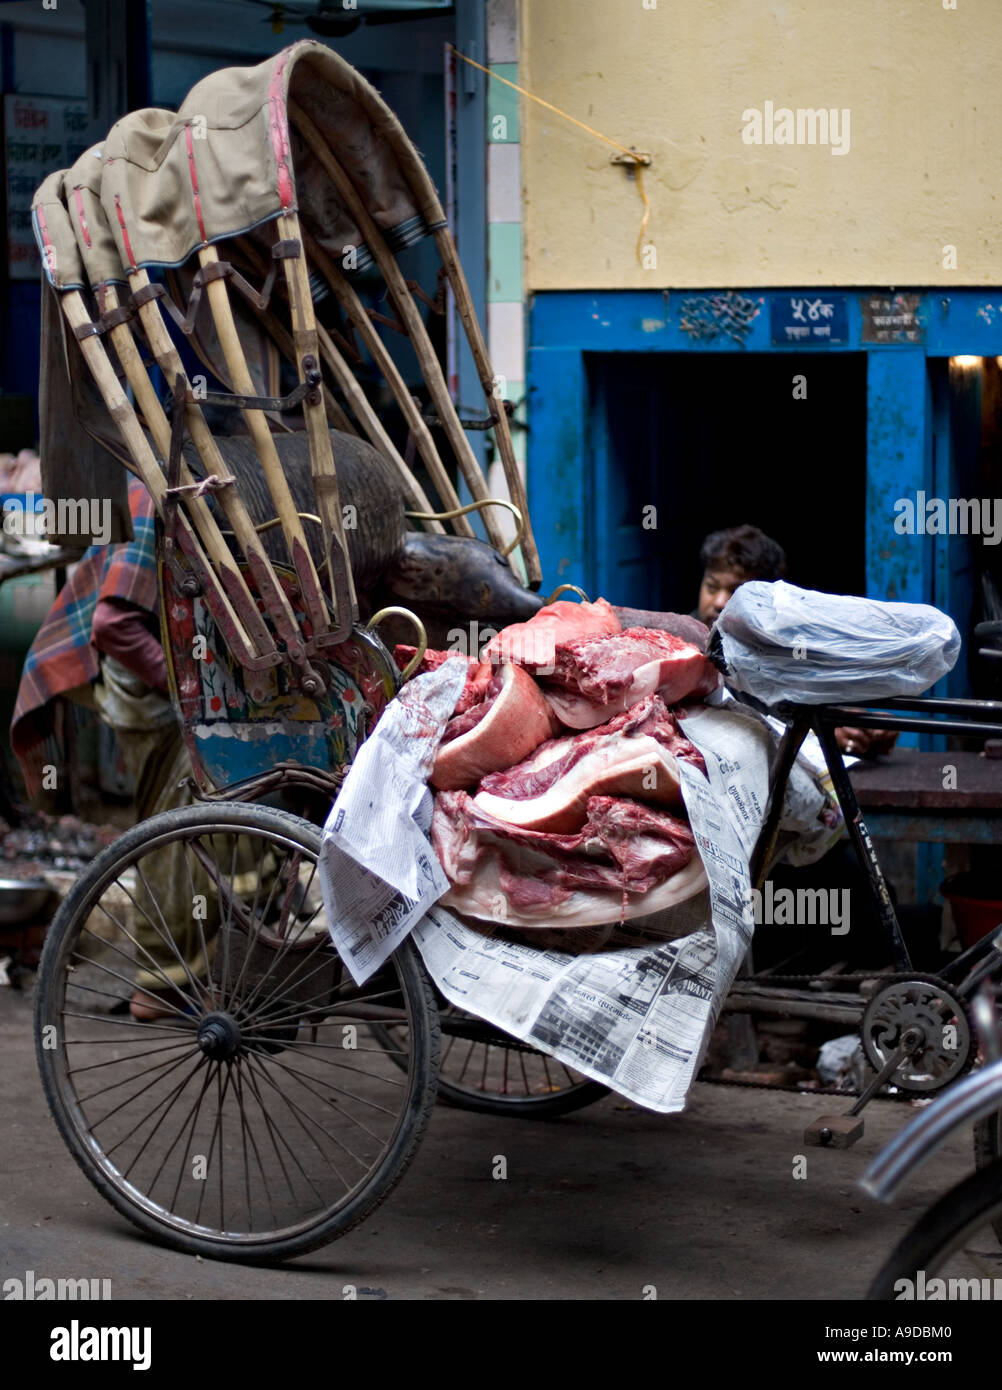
pixel 25 900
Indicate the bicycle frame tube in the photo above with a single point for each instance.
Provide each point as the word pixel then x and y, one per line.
pixel 913 723
pixel 971 718
pixel 962 1104
pixel 805 720
pixel 966 967
pixel 789 747
pixel 823 724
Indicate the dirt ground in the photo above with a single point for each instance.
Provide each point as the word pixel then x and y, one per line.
pixel 609 1203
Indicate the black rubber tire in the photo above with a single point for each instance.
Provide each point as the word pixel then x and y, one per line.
pixel 972 1204
pixel 415 986
pixel 547 1106
pixel 988 1140
pixel 988 1151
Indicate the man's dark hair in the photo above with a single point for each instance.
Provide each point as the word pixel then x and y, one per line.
pixel 743 550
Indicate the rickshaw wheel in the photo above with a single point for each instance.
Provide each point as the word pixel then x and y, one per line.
pixel 253 1120
pixel 483 1070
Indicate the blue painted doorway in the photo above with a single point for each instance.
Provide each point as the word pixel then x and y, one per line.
pixel 683 444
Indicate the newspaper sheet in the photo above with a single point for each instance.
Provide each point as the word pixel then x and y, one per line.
pixel 622 1005
pixel 377 870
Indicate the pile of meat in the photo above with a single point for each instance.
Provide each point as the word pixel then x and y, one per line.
pixel 558 797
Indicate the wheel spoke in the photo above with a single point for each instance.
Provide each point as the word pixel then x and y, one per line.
pixel 168 983
pixel 255 1064
pixel 165 936
pixel 525 1079
pixel 116 1061
pixel 297 1113
pixel 201 929
pixel 248 1136
pixel 196 1110
pixel 169 935
pixel 164 1068
pixel 167 1102
pixel 339 1091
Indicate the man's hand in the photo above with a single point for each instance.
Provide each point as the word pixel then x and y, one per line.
pixel 866 743
pixel 120 629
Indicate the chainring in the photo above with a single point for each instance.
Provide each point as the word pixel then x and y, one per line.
pixel 948 1043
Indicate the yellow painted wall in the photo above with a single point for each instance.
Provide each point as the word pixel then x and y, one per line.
pixel 923 170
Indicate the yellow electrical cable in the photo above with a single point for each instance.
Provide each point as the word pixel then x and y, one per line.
pixel 637 164
pixel 638 175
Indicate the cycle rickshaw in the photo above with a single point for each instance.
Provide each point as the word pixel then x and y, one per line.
pixel 274 1103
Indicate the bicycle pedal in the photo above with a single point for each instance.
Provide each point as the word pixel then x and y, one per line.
pixel 834 1131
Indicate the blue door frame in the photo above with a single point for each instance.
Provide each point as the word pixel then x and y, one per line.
pixel 917 438
pixel 911 442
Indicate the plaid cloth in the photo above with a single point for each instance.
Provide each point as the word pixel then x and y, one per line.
pixel 61 658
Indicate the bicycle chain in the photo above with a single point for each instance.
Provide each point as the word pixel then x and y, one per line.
pixel 802 1090
pixel 882 977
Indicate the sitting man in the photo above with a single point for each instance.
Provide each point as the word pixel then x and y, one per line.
pixel 729 559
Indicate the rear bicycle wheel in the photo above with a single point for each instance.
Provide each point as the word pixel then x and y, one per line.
pixel 250 1118
pixel 485 1071
pixel 954 1240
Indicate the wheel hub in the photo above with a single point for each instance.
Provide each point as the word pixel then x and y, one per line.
pixel 219 1036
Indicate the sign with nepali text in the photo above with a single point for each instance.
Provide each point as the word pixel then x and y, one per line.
pixel 799 319
pixel 891 318
pixel 41 134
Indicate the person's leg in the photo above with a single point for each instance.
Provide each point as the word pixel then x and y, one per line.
pixel 178 900
pixel 172 896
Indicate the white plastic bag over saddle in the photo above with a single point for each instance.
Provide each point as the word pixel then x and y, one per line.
pixel 800 646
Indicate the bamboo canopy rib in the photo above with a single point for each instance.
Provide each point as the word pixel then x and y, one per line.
pixel 169 361
pixel 122 412
pixel 364 413
pixel 409 314
pixel 304 335
pixel 370 422
pixel 283 341
pixel 502 431
pixel 366 329
pixel 418 178
pixel 292 529
pixel 205 523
